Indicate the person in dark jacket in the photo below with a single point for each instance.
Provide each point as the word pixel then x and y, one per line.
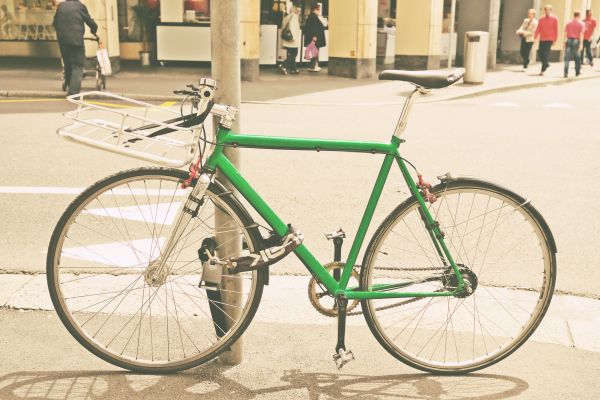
pixel 69 20
pixel 314 31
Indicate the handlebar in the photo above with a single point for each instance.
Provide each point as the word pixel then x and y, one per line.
pixel 202 96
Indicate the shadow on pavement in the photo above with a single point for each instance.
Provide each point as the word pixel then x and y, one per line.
pixel 212 382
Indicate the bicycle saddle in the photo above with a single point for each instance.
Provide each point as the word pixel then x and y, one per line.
pixel 431 79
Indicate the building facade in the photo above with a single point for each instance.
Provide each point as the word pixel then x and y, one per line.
pixel 405 34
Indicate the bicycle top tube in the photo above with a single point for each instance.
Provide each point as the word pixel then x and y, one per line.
pixel 227 138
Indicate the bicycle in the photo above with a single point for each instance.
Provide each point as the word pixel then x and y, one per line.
pixel 160 269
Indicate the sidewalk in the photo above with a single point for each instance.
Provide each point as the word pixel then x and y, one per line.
pixel 571 321
pixel 158 83
pixel 287 355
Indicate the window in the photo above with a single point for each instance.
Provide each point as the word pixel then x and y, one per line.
pixel 27 20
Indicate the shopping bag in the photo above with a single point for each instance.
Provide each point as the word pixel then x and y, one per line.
pixel 104 62
pixel 311 51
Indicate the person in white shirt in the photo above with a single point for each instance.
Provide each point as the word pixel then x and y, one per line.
pixel 290 39
pixel 526 32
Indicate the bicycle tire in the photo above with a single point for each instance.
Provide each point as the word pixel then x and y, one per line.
pixel 57 255
pixel 487 290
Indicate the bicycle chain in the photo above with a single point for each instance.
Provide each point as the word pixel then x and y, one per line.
pixel 315 302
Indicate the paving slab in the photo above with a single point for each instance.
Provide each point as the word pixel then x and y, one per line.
pixel 586 334
pixel 571 321
pixel 11 283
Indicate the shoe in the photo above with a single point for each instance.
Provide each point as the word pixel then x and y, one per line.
pixel 284 71
pixel 317 69
pixel 542 73
pixel 294 72
pixel 313 70
pixel 566 76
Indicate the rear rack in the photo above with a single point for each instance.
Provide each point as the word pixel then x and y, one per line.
pixel 136 129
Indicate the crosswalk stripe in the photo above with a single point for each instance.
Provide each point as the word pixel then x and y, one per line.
pixel 505 104
pixel 76 190
pixel 558 105
pixel 163 213
pixel 119 254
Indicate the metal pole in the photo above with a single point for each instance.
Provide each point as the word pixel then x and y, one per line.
pixel 451 31
pixel 226 70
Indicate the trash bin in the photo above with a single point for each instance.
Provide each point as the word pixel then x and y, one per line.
pixel 475 56
pixel 386 46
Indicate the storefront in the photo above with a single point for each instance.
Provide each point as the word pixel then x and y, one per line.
pixel 26 27
pixel 183 33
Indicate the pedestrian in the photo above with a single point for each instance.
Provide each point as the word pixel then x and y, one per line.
pixel 314 31
pixel 590 27
pixel 69 20
pixel 574 42
pixel 526 32
pixel 290 38
pixel 6 23
pixel 547 32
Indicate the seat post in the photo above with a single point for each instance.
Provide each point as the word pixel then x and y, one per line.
pixel 403 121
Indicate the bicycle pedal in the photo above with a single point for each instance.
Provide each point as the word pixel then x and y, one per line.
pixel 342 358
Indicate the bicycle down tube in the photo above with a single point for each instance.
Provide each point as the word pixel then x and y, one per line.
pixel 218 160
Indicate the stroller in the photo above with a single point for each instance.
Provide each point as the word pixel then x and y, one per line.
pixel 92 67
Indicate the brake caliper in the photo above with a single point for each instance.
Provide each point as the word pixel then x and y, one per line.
pixel 425 188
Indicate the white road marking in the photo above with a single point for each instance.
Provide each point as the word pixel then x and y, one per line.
pixel 75 190
pixel 119 254
pixel 505 104
pixel 558 105
pixel 162 214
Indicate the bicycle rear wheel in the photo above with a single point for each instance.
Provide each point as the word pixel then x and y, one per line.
pixel 503 248
pixel 104 289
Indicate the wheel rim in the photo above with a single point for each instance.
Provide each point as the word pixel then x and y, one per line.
pixel 100 269
pixel 501 243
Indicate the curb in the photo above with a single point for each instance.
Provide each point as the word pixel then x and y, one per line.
pixel 62 95
pixel 156 97
pixel 514 87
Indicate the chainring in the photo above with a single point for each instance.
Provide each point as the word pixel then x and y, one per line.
pixel 324 302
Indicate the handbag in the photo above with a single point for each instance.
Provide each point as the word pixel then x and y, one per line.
pixel 104 62
pixel 311 51
pixel 286 32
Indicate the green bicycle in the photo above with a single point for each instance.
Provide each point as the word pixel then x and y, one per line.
pixel 159 269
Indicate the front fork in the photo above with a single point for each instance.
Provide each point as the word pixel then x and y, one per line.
pixel 184 216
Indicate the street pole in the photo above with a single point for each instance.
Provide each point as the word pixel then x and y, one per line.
pixel 451 32
pixel 225 69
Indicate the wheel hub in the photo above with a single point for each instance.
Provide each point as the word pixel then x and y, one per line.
pixel 470 280
pixel 155 275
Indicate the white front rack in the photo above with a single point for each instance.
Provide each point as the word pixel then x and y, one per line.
pixel 111 122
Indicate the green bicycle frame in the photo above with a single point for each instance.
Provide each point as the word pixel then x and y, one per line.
pixel 218 160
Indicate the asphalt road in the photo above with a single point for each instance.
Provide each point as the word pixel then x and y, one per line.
pixel 542 143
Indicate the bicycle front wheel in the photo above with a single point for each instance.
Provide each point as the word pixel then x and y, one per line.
pixel 110 294
pixel 503 249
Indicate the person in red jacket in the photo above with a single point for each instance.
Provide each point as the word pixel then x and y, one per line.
pixel 590 26
pixel 573 42
pixel 547 32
